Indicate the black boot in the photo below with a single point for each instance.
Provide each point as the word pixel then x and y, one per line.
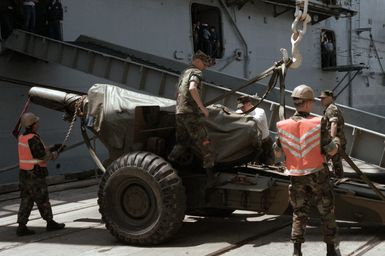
pixel 22 230
pixel 297 249
pixel 53 225
pixel 332 250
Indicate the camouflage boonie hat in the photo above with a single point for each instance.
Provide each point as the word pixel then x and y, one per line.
pixel 204 57
pixel 326 93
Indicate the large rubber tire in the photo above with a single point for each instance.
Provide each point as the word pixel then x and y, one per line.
pixel 142 199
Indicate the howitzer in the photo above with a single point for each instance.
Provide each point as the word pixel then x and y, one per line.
pixel 126 121
pixel 143 197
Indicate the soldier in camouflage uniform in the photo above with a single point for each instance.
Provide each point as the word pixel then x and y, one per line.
pixel 304 140
pixel 32 177
pixel 335 125
pixel 189 112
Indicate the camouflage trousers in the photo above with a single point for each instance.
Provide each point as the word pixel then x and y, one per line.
pixel 191 130
pixel 304 191
pixel 33 189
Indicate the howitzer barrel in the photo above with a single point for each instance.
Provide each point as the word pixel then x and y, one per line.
pixel 53 99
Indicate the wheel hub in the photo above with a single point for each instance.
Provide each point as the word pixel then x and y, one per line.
pixel 136 201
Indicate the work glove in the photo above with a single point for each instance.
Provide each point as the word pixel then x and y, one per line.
pixel 56 147
pixel 338 172
pixel 337 141
pixel 54 155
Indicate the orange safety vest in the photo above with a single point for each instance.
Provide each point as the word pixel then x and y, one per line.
pixel 301 143
pixel 26 160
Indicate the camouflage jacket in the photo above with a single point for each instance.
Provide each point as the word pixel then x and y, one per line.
pixel 326 140
pixel 184 101
pixel 333 114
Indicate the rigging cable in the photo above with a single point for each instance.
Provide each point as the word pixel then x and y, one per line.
pixel 279 69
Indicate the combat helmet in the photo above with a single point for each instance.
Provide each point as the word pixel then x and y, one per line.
pixel 28 119
pixel 303 92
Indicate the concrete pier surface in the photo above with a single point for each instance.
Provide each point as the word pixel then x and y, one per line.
pixel 244 233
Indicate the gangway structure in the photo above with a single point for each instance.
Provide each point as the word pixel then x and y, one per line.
pixel 158 76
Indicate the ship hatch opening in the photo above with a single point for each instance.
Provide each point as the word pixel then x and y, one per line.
pixel 207 29
pixel 328 49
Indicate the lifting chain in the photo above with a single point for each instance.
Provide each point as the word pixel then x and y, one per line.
pixel 301 16
pixel 279 70
pixel 78 104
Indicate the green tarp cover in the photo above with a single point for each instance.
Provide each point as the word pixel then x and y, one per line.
pixel 234 136
pixel 113 111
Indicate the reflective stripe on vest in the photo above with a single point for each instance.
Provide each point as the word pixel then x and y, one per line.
pixel 26 160
pixel 300 142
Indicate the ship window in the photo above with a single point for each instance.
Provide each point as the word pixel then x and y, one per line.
pixel 207 30
pixel 328 49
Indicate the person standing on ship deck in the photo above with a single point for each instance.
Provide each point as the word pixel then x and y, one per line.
pixel 33 157
pixel 305 142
